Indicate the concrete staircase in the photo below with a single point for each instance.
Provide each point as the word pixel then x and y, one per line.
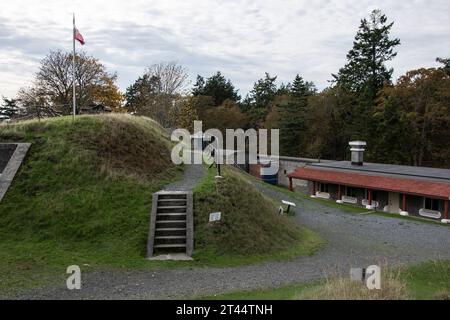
pixel 171 224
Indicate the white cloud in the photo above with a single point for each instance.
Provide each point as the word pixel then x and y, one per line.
pixel 241 38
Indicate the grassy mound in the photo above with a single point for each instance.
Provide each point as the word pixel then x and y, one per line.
pixel 82 195
pixel 250 230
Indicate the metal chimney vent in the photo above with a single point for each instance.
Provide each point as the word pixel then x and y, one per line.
pixel 357 149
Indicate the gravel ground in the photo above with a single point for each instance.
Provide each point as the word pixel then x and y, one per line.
pixel 191 176
pixel 354 240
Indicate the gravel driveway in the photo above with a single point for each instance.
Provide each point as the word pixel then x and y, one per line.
pixel 354 240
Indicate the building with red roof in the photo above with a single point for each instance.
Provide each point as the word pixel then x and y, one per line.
pixel 405 190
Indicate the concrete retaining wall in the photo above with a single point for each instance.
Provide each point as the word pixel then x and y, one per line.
pixel 12 166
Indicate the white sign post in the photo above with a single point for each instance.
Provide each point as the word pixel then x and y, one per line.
pixel 289 205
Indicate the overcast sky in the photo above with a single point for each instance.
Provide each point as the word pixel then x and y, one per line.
pixel 243 39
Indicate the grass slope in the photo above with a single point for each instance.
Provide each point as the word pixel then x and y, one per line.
pixel 82 196
pixel 250 230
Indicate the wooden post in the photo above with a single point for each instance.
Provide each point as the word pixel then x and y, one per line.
pixel 446 209
pixel 370 197
pixel 404 202
pixel 314 188
pixel 291 188
pixel 339 192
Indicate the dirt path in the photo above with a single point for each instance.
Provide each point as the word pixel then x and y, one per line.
pixel 191 177
pixel 354 241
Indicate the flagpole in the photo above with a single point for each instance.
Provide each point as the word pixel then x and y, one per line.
pixel 73 68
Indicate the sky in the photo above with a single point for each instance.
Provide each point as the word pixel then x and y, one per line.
pixel 243 39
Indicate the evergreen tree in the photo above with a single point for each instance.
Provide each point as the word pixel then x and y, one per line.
pixel 292 117
pixel 301 88
pixel 365 71
pixel 217 87
pixel 446 63
pixel 259 102
pixel 9 108
pixel 284 89
pixel 292 125
pixel 140 94
pixel 198 86
pixel 264 91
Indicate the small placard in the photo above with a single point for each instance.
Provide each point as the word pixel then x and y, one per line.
pixel 215 216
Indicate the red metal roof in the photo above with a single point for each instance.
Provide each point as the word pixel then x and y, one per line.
pixel 376 182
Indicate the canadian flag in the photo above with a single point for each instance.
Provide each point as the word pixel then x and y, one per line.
pixel 77 36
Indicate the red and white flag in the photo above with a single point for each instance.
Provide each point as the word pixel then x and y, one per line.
pixel 77 36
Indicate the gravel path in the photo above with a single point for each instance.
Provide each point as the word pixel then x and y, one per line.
pixel 191 176
pixel 355 240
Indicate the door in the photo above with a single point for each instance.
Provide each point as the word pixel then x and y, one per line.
pixel 394 203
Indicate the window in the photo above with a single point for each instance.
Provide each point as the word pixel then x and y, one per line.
pixel 323 187
pixel 432 204
pixel 350 192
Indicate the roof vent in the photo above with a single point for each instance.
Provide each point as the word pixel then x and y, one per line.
pixel 357 149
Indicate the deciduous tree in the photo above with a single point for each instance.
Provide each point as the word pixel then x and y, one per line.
pixel 413 120
pixel 53 84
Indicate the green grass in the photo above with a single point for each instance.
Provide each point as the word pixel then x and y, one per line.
pixel 82 196
pixel 282 293
pixel 428 280
pixel 341 206
pixel 250 231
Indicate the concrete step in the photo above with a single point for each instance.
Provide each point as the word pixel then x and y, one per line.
pixel 170 237
pixel 170 229
pixel 171 224
pixel 171 216
pixel 173 245
pixel 170 241
pixel 171 203
pixel 172 196
pixel 171 200
pixel 170 232
pixel 171 207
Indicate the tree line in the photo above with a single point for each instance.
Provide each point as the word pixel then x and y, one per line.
pixel 407 122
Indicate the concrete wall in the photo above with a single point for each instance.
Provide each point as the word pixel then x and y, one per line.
pixel 10 170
